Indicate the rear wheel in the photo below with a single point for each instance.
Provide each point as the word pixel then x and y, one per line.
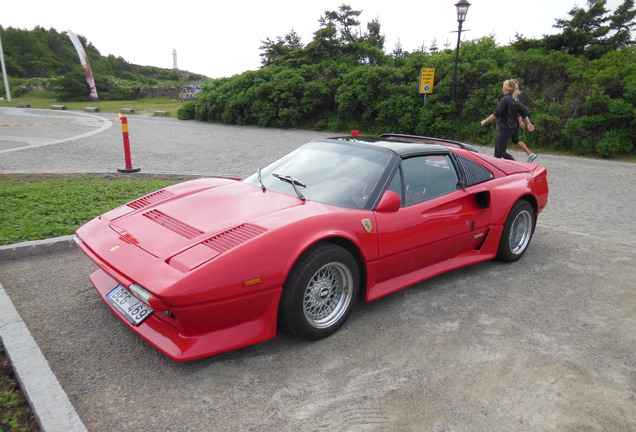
pixel 517 232
pixel 320 292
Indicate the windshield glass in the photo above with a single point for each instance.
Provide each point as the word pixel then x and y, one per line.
pixel 331 173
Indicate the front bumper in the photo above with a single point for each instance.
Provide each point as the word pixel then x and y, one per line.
pixel 234 323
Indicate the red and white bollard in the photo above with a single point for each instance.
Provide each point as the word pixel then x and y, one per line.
pixel 128 159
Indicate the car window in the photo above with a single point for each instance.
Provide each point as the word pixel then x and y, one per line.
pixel 427 177
pixel 475 173
pixel 332 173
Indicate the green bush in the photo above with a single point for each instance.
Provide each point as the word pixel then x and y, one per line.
pixel 583 102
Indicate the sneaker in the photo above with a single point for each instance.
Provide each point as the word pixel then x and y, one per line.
pixel 532 157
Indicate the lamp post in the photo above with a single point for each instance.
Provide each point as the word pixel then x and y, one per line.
pixel 462 10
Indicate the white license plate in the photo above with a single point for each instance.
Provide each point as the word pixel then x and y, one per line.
pixel 133 309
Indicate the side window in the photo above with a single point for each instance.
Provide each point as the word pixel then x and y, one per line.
pixel 475 173
pixel 396 184
pixel 428 177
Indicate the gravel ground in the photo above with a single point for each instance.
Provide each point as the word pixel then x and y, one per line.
pixel 546 343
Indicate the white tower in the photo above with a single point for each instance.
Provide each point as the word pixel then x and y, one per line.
pixel 174 59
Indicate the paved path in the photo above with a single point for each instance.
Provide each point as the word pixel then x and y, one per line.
pixel 543 344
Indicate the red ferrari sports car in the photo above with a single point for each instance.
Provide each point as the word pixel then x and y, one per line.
pixel 212 265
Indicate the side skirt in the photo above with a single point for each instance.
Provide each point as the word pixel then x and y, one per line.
pixel 487 251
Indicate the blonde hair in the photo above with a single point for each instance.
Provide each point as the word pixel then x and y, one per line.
pixel 512 85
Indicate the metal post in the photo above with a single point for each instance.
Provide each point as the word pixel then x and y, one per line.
pixel 459 36
pixel 462 9
pixel 4 73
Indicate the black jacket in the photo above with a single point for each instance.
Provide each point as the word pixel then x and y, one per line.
pixel 507 112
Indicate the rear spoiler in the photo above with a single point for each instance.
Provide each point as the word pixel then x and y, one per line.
pixel 428 140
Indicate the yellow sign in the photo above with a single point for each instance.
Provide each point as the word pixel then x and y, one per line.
pixel 427 80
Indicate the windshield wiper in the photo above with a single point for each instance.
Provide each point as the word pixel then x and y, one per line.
pixel 260 180
pixel 293 182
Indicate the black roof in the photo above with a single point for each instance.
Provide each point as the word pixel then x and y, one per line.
pixel 400 147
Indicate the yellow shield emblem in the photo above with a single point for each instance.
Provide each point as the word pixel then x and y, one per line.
pixel 367 225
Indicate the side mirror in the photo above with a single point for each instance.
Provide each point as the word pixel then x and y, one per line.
pixel 390 202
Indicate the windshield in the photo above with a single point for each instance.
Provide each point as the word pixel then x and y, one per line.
pixel 332 173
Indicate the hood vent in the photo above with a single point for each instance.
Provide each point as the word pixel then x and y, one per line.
pixel 153 198
pixel 181 228
pixel 234 237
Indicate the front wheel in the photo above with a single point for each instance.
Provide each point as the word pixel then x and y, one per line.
pixel 517 232
pixel 320 292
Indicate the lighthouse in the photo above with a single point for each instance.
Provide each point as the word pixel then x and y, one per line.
pixel 174 59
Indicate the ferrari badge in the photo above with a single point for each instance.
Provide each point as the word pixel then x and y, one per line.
pixel 368 226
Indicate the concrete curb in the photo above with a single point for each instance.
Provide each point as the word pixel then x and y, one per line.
pixel 49 403
pixel 36 247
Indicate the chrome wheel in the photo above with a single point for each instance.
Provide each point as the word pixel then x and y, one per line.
pixel 520 232
pixel 517 232
pixel 328 295
pixel 320 291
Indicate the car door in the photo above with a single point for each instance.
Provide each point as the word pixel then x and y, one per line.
pixel 438 220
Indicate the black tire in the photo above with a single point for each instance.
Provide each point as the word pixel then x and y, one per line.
pixel 517 232
pixel 320 292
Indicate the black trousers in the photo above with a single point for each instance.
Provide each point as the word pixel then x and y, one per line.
pixel 501 143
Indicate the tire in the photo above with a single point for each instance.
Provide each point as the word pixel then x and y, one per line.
pixel 517 232
pixel 320 292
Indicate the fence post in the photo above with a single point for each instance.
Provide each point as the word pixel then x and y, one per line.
pixel 128 159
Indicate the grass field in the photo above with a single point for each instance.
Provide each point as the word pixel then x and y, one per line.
pixel 35 207
pixel 42 99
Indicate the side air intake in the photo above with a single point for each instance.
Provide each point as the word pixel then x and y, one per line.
pixel 232 238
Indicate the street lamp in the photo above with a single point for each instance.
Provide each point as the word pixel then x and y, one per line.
pixel 462 10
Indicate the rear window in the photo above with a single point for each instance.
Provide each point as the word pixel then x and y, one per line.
pixel 475 173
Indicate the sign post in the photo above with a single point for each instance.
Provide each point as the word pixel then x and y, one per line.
pixel 427 82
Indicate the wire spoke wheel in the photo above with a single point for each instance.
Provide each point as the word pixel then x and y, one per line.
pixel 320 291
pixel 327 295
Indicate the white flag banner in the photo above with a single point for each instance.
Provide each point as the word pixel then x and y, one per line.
pixel 84 61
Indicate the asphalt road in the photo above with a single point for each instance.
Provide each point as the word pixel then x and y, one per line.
pixel 547 343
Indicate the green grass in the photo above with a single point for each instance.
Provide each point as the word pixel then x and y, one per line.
pixel 141 106
pixel 35 207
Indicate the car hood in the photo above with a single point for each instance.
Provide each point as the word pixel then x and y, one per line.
pixel 169 226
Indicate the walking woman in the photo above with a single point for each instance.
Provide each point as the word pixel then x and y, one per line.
pixel 515 137
pixel 506 114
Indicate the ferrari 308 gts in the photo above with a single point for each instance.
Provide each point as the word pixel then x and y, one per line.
pixel 212 265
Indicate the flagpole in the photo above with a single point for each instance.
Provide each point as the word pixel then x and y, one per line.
pixel 4 73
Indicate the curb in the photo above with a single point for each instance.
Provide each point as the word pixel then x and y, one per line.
pixel 36 247
pixel 49 403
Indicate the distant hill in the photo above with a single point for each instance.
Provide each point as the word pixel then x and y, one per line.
pixel 46 57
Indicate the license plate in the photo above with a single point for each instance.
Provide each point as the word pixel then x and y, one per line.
pixel 133 309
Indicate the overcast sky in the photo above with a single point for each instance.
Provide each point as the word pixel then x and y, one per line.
pixel 217 39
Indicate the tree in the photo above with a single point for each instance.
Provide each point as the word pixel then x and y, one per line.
pixel 622 24
pixel 398 51
pixel 346 21
pixel 592 32
pixel 374 36
pixel 336 36
pixel 284 50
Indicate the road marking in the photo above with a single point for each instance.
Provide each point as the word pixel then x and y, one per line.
pixel 48 141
